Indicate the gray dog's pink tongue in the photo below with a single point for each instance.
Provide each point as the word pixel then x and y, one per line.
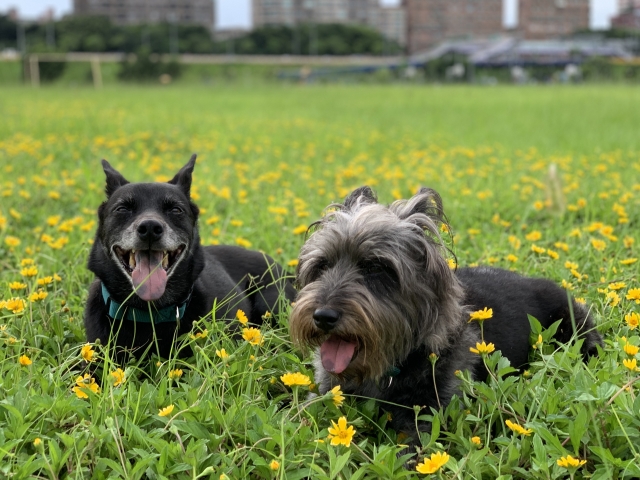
pixel 149 277
pixel 336 354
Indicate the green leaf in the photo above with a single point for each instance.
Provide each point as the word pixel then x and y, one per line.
pixel 337 466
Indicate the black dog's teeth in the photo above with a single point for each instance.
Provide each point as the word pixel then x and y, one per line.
pixel 128 258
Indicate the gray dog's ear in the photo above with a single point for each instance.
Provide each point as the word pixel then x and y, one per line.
pixel 183 177
pixel 426 201
pixel 114 178
pixel 360 196
pixel 423 209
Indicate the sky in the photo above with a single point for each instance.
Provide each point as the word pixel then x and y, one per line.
pixel 237 13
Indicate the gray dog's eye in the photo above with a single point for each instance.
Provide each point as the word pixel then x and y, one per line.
pixel 123 209
pixel 177 210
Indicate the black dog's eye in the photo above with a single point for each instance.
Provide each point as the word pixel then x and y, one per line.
pixel 177 210
pixel 123 209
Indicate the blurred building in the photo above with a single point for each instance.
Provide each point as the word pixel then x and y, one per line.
pixel 430 22
pixel 545 19
pixel 131 12
pixel 628 19
pixel 390 21
pixel 626 4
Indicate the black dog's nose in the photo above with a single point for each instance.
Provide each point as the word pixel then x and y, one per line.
pixel 150 230
pixel 325 318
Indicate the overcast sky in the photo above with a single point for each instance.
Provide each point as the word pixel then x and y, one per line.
pixel 237 13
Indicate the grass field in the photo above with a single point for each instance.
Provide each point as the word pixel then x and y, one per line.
pixel 270 159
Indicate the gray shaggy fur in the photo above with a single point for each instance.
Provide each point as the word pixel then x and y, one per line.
pixel 377 297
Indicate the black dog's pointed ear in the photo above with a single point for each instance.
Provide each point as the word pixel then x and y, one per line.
pixel 183 177
pixel 360 196
pixel 114 179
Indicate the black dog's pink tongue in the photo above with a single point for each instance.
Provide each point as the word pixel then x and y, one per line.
pixel 149 278
pixel 336 354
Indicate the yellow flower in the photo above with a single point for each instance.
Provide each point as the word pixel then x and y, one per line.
pixel 222 353
pixel 16 305
pixel 538 343
pixel 118 377
pixel 243 242
pixel 236 223
pixel 45 281
pixel 252 335
pixel 85 383
pixel 87 352
pixel 476 441
pixel 598 244
pixel 481 315
pixel 299 230
pixel 628 261
pixel 631 364
pixel 26 261
pixel 571 265
pixel 57 277
pixel 633 320
pixel 483 348
pixel 553 254
pixel 517 428
pixel 177 373
pixel 37 442
pixel 533 236
pixel 17 285
pixel 242 317
pixel 617 286
pixel 29 271
pixel 12 241
pixel 37 296
pixel 341 434
pixel 433 464
pixel 512 258
pixel 163 412
pixel 53 220
pixel 199 335
pixel 25 361
pixel 631 350
pixel 337 396
pixel 536 249
pixel 293 263
pixel 570 462
pixel 274 465
pixel 295 379
pixel 634 294
pixel 562 246
pixel 614 298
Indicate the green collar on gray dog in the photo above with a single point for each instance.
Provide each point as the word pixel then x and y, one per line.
pixel 117 311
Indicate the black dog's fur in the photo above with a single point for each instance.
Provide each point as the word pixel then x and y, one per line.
pixel 378 298
pixel 231 276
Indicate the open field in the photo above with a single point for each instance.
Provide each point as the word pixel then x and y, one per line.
pixel 270 159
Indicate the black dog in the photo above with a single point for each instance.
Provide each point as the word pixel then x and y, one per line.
pixel 378 298
pixel 153 276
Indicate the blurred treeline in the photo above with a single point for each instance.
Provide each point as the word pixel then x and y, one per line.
pixel 98 34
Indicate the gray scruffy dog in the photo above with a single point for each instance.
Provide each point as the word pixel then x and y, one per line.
pixel 378 297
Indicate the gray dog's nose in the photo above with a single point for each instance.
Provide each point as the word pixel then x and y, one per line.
pixel 326 318
pixel 150 230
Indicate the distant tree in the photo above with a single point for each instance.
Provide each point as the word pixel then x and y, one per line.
pixel 8 32
pixel 331 39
